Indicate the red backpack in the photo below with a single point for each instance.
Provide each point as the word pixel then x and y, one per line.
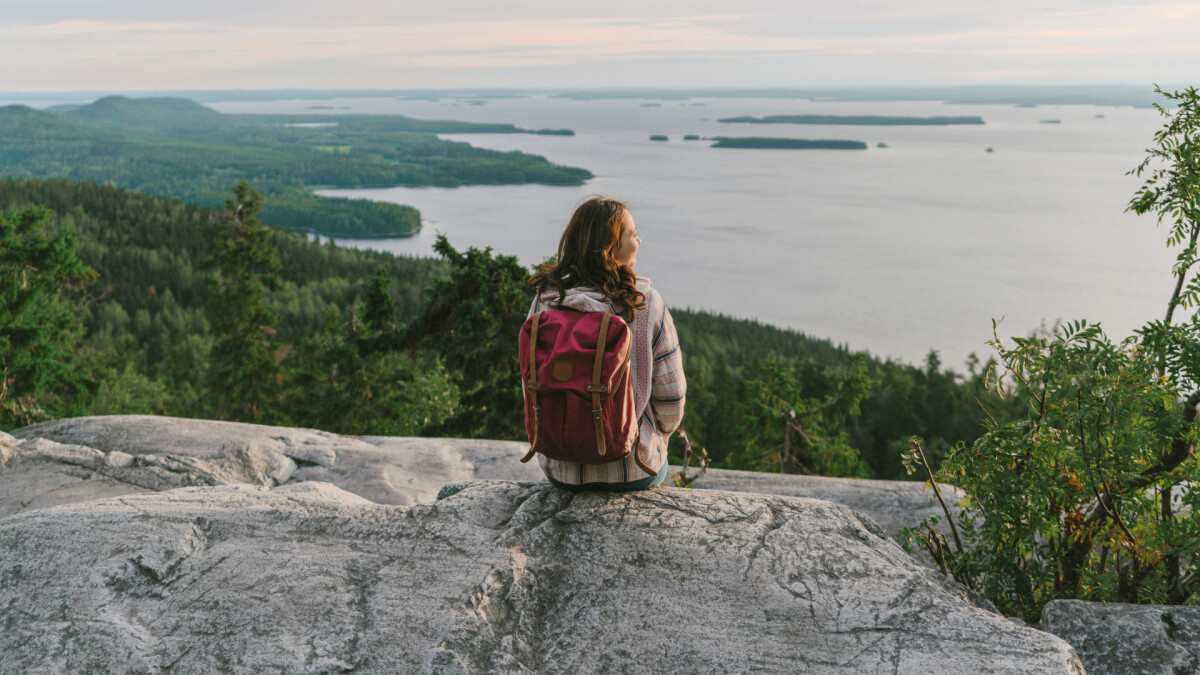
pixel 579 387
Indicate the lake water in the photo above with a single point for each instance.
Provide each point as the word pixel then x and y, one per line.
pixel 891 250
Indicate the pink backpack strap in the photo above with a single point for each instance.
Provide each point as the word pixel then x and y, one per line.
pixel 532 385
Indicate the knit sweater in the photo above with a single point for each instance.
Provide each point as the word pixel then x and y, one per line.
pixel 659 387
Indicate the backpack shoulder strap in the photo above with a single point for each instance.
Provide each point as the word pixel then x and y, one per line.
pixel 596 387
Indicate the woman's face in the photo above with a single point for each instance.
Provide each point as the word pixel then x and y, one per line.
pixel 630 241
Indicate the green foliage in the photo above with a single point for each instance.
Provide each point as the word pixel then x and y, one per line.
pixel 244 378
pixel 472 320
pixel 128 392
pixel 930 401
pixel 1090 493
pixel 379 312
pixel 1173 188
pixel 782 426
pixel 39 330
pixel 937 404
pixel 148 306
pixel 1047 496
pixel 347 381
pixel 352 377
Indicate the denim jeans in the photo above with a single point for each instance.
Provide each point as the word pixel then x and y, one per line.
pixel 631 486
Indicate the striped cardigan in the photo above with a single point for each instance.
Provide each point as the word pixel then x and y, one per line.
pixel 659 386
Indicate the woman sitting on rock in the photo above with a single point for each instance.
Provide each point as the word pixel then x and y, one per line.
pixel 594 273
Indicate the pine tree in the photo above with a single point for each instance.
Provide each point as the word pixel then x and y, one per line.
pixel 379 311
pixel 353 377
pixel 39 330
pixel 472 320
pixel 244 377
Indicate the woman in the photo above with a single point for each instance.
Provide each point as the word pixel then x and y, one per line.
pixel 594 273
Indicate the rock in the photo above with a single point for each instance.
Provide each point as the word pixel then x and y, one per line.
pixel 496 577
pixel 891 503
pixel 208 452
pixel 40 473
pixel 385 470
pixel 1120 638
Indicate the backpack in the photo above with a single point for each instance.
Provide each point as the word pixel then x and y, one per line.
pixel 579 387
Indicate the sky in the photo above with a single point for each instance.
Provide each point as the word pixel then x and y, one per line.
pixel 117 45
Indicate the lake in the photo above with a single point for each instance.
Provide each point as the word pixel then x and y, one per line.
pixel 892 250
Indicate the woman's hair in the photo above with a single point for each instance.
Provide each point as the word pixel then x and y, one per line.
pixel 587 257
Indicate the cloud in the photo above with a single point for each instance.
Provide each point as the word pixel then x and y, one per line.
pixel 143 44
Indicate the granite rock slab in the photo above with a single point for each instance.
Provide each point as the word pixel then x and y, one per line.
pixel 496 576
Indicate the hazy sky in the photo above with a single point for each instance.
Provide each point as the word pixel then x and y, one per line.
pixel 157 44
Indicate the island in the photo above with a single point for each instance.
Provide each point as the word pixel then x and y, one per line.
pixel 754 142
pixel 658 137
pixel 854 120
pixel 1051 122
pixel 691 137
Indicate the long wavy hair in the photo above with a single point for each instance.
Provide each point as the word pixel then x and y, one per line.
pixel 587 257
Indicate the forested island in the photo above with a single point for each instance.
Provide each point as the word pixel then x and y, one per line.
pixel 757 142
pixel 179 148
pixel 855 120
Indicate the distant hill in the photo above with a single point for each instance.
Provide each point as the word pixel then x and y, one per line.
pixel 146 114
pixel 16 119
pixel 181 116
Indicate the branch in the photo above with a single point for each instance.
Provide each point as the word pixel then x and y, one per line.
pixel 681 478
pixel 934 544
pixel 937 493
pixel 824 406
pixel 986 411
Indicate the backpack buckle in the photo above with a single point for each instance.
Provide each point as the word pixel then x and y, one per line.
pixel 601 388
pixel 533 384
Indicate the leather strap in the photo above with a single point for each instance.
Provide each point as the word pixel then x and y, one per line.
pixel 596 387
pixel 532 385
